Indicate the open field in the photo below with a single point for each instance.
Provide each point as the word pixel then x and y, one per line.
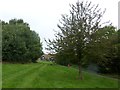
pixel 0 75
pixel 45 75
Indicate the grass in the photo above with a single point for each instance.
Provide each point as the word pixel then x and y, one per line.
pixel 45 75
pixel 0 75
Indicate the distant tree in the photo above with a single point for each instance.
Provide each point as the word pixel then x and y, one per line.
pixel 76 32
pixel 19 43
pixel 103 49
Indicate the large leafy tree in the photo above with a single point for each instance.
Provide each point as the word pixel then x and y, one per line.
pixel 19 43
pixel 76 30
pixel 103 49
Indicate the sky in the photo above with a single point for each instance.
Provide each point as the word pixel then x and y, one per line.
pixel 44 15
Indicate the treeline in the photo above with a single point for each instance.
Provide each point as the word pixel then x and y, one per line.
pixel 19 43
pixel 82 39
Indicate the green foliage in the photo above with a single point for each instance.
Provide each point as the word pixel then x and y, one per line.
pixel 83 39
pixel 75 32
pixel 20 44
pixel 103 49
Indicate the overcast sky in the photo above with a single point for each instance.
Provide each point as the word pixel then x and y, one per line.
pixel 44 15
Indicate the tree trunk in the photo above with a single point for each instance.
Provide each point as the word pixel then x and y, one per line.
pixel 80 72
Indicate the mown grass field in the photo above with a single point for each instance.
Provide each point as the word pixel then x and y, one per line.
pixel 44 75
pixel 0 74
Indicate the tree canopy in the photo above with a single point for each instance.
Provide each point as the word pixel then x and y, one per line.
pixel 19 43
pixel 82 36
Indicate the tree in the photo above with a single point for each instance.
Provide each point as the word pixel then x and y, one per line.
pixel 76 32
pixel 19 43
pixel 103 49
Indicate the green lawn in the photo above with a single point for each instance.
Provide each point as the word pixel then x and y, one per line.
pixel 44 75
pixel 0 75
